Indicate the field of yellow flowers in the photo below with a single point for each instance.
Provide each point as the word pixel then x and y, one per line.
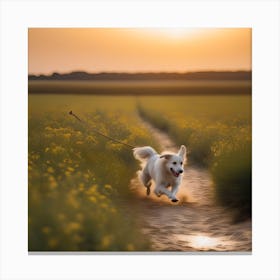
pixel 79 181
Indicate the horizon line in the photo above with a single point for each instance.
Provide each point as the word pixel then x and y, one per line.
pixel 139 72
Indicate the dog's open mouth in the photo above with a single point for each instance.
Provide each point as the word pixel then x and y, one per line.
pixel 176 174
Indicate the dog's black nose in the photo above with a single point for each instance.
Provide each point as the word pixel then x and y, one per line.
pixel 181 171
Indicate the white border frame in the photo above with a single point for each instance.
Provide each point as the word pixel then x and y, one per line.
pixel 17 16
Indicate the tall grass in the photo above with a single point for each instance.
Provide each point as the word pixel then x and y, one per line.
pixel 231 169
pixel 78 193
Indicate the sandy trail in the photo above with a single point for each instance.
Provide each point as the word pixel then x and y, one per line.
pixel 196 223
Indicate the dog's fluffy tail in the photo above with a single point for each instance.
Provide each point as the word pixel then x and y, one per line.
pixel 143 153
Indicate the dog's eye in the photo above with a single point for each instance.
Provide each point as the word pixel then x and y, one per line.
pixel 181 162
pixel 174 162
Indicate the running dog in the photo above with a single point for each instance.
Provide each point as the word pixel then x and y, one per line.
pixel 165 170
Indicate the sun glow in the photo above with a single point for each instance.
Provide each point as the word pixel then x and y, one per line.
pixel 173 33
pixel 166 49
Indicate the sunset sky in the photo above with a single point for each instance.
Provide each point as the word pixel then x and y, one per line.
pixel 137 50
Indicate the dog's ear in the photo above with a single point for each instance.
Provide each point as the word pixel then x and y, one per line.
pixel 182 152
pixel 166 156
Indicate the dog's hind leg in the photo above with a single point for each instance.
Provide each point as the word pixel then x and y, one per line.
pixel 146 180
pixel 148 186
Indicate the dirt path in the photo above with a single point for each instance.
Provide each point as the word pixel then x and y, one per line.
pixel 195 223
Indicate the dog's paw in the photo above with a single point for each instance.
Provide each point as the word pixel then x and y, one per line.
pixel 174 200
pixel 158 194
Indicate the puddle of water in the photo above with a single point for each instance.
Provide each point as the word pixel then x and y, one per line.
pixel 203 242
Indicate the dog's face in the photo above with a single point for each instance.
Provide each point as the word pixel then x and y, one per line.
pixel 175 162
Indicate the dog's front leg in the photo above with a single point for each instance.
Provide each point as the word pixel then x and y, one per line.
pixel 160 189
pixel 174 191
pixel 157 190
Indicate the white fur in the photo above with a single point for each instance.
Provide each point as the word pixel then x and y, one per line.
pixel 165 170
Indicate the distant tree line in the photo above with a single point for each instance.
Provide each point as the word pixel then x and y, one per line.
pixel 206 75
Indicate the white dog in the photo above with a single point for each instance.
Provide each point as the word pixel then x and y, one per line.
pixel 165 170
